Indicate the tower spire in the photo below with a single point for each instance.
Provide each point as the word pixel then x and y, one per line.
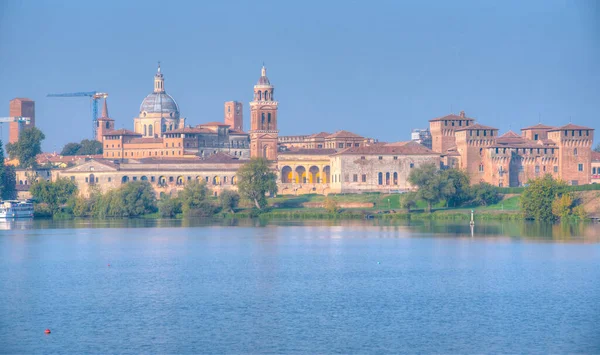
pixel 159 66
pixel 105 109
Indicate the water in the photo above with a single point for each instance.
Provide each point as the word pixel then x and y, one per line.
pixel 301 287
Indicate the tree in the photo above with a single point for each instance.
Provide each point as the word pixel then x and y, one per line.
pixel 71 149
pixel 331 205
pixel 562 206
pixel 27 147
pixel 169 206
pixel 408 200
pixel 8 179
pixel 485 194
pixel 597 149
pixel 86 147
pixel 54 194
pixel 431 187
pixel 456 187
pixel 256 179
pixel 138 198
pixel 229 200
pixel 538 196
pixel 193 196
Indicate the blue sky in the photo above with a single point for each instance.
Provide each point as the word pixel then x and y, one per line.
pixel 377 68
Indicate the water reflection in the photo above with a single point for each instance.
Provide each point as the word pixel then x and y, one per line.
pixel 566 232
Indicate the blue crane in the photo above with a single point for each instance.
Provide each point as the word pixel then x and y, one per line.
pixel 95 97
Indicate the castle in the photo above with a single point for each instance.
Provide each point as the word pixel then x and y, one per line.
pixel 164 151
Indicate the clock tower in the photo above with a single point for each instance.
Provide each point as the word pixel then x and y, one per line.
pixel 263 120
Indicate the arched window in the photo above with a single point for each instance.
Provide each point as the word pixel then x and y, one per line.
pixel 266 95
pixel 164 127
pixel 145 131
pixel 259 95
pixel 150 133
pixel 575 151
pixel 262 126
pixel 107 125
pixel 380 178
pixel 395 178
pixel 269 120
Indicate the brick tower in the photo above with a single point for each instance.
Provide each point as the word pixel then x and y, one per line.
pixel 20 107
pixel 472 143
pixel 442 130
pixel 104 123
pixel 234 116
pixel 575 152
pixel 263 120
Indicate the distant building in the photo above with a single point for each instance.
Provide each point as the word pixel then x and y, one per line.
pixel 20 107
pixel 595 167
pixel 421 136
pixel 234 115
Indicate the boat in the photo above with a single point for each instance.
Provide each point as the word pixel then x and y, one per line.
pixel 16 209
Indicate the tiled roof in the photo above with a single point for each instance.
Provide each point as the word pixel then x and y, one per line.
pixel 570 126
pixel 510 134
pixel 145 140
pixel 235 131
pixel 395 144
pixel 303 151
pixel 475 126
pixel 410 148
pixel 122 132
pixel 190 130
pixel 451 117
pixel 319 135
pixel 344 134
pixel 537 126
pixel 595 156
pixel 55 158
pixel 220 157
pixel 213 124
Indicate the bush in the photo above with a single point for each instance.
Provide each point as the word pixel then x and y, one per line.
pixel 229 200
pixel 561 206
pixel 169 206
pixel 485 194
pixel 331 205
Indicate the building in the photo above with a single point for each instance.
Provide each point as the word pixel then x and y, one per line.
pixel 160 131
pixel 263 119
pixel 338 140
pixel 512 159
pixel 20 107
pixel 595 167
pixel 421 136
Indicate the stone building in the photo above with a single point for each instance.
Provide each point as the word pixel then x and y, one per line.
pixel 338 140
pixel 512 159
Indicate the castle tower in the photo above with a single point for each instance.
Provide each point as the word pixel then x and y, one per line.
pixel 104 123
pixel 442 130
pixel 234 116
pixel 20 107
pixel 263 120
pixel 472 143
pixel 574 152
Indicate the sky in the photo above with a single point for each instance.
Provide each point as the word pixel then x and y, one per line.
pixel 375 68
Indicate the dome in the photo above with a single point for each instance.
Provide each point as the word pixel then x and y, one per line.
pixel 160 102
pixel 263 80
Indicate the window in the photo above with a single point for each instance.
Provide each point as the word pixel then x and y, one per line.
pixel 580 167
pixel 380 157
pixel 395 158
pixel 481 168
pixel 109 179
pixel 346 178
pixel 357 144
pixel 348 145
pixel 575 151
pixel 355 177
pixel 380 178
pixel 412 165
pixel 556 168
pixel 537 169
pixel 364 178
pixel 362 158
pixel 535 137
pixel 340 145
pixel 151 178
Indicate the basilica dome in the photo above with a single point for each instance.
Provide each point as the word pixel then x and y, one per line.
pixel 160 102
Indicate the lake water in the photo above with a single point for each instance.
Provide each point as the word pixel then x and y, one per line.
pixel 298 287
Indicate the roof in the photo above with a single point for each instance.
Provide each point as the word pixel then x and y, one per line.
pixel 537 126
pixel 160 102
pixel 570 126
pixel 319 135
pixel 395 144
pixel 595 156
pixel 344 134
pixel 303 151
pixel 475 126
pixel 145 140
pixel 214 123
pixel 410 148
pixel 190 130
pixel 56 158
pixel 235 131
pixel 121 132
pixel 220 157
pixel 452 117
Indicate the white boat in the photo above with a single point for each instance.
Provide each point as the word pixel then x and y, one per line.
pixel 16 209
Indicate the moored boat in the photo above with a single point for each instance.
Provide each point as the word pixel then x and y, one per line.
pixel 16 209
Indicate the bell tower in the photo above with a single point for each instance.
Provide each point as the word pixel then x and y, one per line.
pixel 263 120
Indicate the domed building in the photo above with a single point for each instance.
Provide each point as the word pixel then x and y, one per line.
pixel 159 112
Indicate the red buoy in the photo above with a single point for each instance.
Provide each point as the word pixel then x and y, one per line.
pixel 47 331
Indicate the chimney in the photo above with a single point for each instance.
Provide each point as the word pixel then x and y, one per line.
pixel 462 114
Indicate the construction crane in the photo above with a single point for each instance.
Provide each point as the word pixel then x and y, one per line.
pixel 95 97
pixel 22 120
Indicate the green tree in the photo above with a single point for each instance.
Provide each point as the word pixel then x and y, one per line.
pixel 27 147
pixel 229 200
pixel 408 200
pixel 55 194
pixel 485 194
pixel 169 206
pixel 538 196
pixel 71 149
pixel 456 186
pixel 331 205
pixel 138 198
pixel 8 179
pixel 256 179
pixel 193 196
pixel 431 187
pixel 562 206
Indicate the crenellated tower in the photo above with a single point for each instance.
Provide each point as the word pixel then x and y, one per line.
pixel 263 120
pixel 575 152
pixel 443 128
